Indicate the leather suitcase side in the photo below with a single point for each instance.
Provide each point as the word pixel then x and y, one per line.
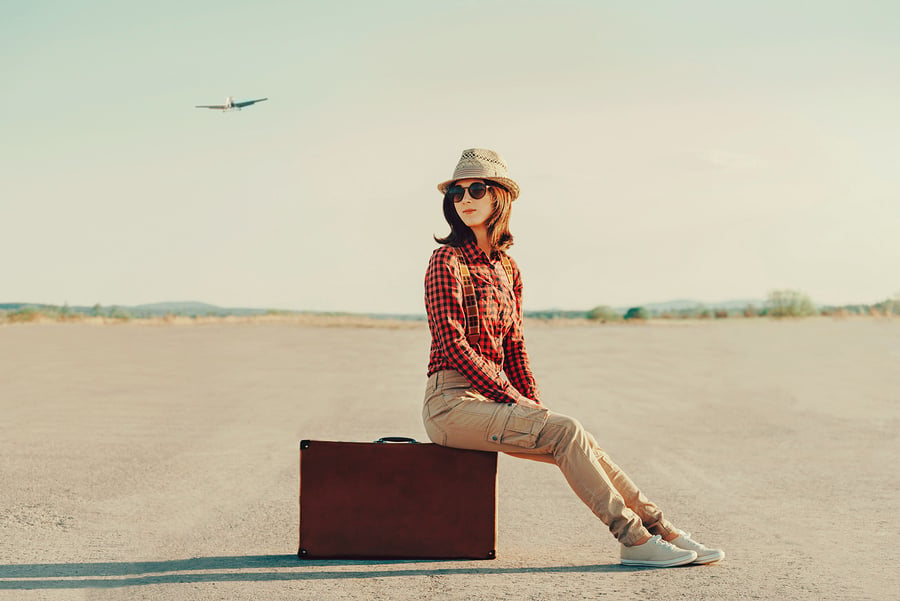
pixel 396 501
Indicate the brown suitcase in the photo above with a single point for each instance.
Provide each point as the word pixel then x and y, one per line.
pixel 396 499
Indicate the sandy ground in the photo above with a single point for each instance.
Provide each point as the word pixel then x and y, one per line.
pixel 160 462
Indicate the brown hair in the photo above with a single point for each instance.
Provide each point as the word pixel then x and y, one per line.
pixel 497 224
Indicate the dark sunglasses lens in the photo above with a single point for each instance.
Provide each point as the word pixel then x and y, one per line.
pixel 456 193
pixel 477 190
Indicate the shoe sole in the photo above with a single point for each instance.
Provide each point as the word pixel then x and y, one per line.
pixel 710 559
pixel 671 563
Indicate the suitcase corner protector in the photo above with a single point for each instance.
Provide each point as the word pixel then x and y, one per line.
pixel 302 553
pixel 304 444
pixel 492 554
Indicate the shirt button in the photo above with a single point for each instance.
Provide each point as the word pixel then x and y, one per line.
pixel 493 437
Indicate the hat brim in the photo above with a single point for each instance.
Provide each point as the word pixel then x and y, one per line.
pixel 507 183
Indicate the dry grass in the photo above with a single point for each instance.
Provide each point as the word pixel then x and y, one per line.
pixel 312 320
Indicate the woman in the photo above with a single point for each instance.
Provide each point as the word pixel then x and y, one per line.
pixel 473 297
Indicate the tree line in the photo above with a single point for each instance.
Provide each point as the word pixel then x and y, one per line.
pixel 779 303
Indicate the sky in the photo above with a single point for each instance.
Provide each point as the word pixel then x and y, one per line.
pixel 699 150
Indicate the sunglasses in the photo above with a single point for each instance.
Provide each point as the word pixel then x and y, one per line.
pixel 476 191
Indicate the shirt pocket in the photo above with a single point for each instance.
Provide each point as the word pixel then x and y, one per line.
pixel 518 425
pixel 484 287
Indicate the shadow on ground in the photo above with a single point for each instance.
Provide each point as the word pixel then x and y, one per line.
pixel 247 568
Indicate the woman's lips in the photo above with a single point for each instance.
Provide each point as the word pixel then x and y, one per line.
pixel 467 211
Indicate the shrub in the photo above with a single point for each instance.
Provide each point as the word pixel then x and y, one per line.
pixel 603 313
pixel 119 313
pixel 790 303
pixel 23 315
pixel 890 307
pixel 67 314
pixel 636 313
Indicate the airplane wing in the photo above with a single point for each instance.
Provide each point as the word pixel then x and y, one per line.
pixel 248 102
pixel 210 106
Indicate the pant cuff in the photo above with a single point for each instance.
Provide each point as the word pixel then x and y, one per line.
pixel 634 535
pixel 662 527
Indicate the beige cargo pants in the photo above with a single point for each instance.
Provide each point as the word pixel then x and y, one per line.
pixel 457 416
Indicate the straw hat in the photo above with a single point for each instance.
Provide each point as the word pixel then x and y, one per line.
pixel 480 163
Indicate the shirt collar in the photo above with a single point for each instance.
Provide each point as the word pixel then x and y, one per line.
pixel 474 253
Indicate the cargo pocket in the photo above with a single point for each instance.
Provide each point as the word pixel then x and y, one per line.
pixel 518 425
pixel 435 433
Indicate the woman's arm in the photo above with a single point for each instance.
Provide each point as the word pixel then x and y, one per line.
pixel 516 364
pixel 447 318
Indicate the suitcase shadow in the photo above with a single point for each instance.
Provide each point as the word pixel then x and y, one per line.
pixel 254 568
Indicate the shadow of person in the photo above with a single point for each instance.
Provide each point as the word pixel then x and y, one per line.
pixel 251 568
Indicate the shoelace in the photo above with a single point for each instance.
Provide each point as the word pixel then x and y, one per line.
pixel 658 540
pixel 687 537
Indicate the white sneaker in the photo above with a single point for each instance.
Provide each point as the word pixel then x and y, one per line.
pixel 704 553
pixel 656 553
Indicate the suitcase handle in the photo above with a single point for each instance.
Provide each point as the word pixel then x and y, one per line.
pixel 385 439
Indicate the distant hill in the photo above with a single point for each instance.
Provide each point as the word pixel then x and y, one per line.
pixel 181 307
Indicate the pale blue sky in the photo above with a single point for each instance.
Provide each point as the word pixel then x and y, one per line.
pixel 665 150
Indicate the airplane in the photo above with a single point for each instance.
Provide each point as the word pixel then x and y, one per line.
pixel 230 104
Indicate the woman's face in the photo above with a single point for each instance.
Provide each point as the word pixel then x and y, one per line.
pixel 474 212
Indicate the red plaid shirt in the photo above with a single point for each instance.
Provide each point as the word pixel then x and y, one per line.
pixel 501 344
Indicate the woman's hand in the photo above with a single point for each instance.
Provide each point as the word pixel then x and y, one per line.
pixel 529 403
